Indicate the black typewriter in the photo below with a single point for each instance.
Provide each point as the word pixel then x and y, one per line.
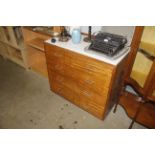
pixel 108 43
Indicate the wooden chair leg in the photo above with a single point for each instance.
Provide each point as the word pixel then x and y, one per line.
pixel 122 92
pixel 137 113
pixel 115 107
pixel 131 125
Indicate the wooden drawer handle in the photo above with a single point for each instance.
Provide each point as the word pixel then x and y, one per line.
pixel 86 93
pixel 89 81
pixel 89 67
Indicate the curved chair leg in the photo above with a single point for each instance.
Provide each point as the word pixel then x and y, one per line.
pixel 122 91
pixel 115 108
pixel 131 125
pixel 137 112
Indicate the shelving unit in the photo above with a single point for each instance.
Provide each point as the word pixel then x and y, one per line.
pixel 131 104
pixel 36 60
pixel 34 48
pixel 143 70
pixel 25 46
pixel 11 44
pixel 140 75
pixel 16 56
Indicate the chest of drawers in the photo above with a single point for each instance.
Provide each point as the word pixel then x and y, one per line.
pixel 91 84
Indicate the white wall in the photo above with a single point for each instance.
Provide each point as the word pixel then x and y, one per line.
pixel 94 29
pixel 126 31
pixel 122 30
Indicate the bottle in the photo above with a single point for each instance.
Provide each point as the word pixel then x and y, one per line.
pixel 71 28
pixel 76 36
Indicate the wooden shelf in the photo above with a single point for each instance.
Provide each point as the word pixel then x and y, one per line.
pixel 4 50
pixel 40 66
pixel 146 116
pixel 34 49
pixel 17 54
pixel 36 60
pixel 37 43
pixel 11 44
pixel 12 36
pixel 17 61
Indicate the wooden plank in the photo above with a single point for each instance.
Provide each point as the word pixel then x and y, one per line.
pixel 37 43
pixel 36 61
pixel 29 35
pixel 3 50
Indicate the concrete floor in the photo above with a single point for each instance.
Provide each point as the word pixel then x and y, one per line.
pixel 27 102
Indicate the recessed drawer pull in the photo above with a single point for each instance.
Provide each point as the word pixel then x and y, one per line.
pixel 86 93
pixel 58 67
pixel 89 81
pixel 57 54
pixel 89 67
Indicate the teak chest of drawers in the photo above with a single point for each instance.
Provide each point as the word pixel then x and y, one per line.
pixel 89 83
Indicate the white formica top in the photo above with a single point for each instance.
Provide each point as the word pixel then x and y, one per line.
pixel 82 48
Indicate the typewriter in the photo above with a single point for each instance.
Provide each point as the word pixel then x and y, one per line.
pixel 108 43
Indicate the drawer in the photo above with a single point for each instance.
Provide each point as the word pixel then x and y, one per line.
pixel 97 83
pixel 72 96
pixel 91 96
pixel 95 80
pixel 89 64
pixel 79 89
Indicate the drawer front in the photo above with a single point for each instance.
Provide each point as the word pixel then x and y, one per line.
pixel 79 89
pixel 97 83
pixel 88 63
pixel 91 96
pixel 72 96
